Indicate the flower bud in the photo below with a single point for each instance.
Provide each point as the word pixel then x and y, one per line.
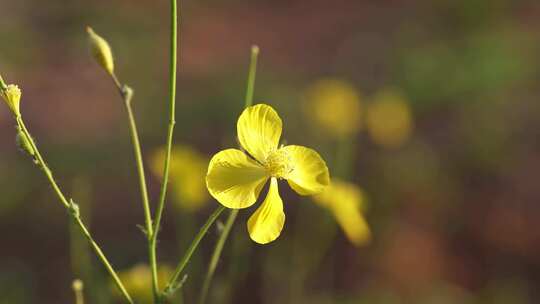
pixel 12 96
pixel 101 50
pixel 23 142
pixel 77 285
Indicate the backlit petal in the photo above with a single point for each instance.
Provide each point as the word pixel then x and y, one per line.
pixel 259 129
pixel 345 201
pixel 234 179
pixel 309 174
pixel 266 223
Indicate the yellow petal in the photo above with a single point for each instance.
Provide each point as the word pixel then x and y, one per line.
pixel 266 223
pixel 259 129
pixel 234 179
pixel 345 201
pixel 310 173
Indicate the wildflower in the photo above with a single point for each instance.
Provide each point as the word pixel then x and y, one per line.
pixel 12 96
pixel 334 105
pixel 236 178
pixel 389 119
pixel 187 173
pixel 101 50
pixel 346 201
pixel 138 278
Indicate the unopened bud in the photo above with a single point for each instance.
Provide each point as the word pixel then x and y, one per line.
pixel 23 142
pixel 12 96
pixel 101 50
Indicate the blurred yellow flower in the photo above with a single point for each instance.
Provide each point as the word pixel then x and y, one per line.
pixel 12 96
pixel 187 173
pixel 389 119
pixel 138 282
pixel 334 105
pixel 346 201
pixel 235 178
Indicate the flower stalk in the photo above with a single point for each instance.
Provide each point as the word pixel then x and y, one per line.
pixel 173 62
pixel 71 207
pixel 216 255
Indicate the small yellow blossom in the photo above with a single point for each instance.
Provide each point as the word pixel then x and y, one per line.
pixel 138 280
pixel 101 50
pixel 346 201
pixel 187 173
pixel 12 96
pixel 236 178
pixel 389 119
pixel 334 105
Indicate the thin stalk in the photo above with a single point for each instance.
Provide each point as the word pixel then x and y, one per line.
pixel 73 211
pixel 217 254
pixel 127 94
pixel 174 282
pixel 172 122
pixel 251 75
pixel 234 213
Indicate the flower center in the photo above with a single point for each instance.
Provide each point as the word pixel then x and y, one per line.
pixel 279 164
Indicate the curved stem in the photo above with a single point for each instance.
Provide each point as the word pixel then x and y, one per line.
pixel 216 255
pixel 172 285
pixel 73 211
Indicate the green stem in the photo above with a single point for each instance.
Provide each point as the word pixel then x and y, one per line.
pixel 172 285
pixel 172 122
pixel 251 76
pixel 127 94
pixel 234 213
pixel 217 254
pixel 3 84
pixel 70 207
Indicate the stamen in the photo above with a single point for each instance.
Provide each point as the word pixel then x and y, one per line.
pixel 279 163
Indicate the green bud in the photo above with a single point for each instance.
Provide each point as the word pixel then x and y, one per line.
pixel 101 50
pixel 23 142
pixel 12 96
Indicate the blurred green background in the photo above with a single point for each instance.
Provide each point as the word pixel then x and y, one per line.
pixel 449 176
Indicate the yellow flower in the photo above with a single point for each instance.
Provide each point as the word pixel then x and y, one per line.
pixel 235 178
pixel 12 96
pixel 345 201
pixel 335 106
pixel 101 50
pixel 138 280
pixel 389 119
pixel 187 173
